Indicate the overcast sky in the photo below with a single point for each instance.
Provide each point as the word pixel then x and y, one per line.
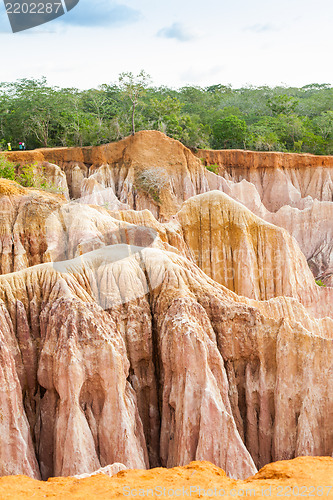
pixel 178 42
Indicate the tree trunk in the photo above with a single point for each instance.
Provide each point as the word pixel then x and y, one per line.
pixel 133 122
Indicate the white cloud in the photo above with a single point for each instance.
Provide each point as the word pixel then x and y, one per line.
pixel 256 42
pixel 177 31
pixel 261 28
pixel 200 76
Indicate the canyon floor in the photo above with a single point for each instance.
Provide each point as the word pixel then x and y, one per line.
pixel 160 308
pixel 303 476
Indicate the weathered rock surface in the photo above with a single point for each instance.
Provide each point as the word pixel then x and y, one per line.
pixel 313 230
pixel 198 336
pixel 289 190
pixel 248 255
pixel 186 371
pixel 23 213
pixel 109 470
pixel 280 178
pixel 55 179
pixel 228 242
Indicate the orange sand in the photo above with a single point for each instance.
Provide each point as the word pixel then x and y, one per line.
pixel 302 477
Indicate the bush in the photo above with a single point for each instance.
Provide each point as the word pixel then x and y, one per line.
pixel 152 181
pixel 213 168
pixel 7 169
pixel 28 176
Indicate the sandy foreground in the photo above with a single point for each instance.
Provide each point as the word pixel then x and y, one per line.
pixel 302 477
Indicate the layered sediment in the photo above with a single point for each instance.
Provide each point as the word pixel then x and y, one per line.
pixel 157 324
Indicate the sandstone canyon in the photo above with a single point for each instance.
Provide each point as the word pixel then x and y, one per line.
pixel 155 313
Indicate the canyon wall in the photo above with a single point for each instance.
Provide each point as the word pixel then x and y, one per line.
pixel 151 171
pixel 155 324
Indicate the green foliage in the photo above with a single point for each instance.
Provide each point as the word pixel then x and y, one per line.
pixel 282 104
pixel 312 143
pixel 33 175
pixel 259 118
pixel 30 176
pixel 320 283
pixel 134 87
pixel 213 168
pixel 230 131
pixel 26 176
pixel 7 169
pixel 231 111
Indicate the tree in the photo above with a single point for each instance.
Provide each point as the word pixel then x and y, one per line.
pixel 134 87
pixel 312 143
pixel 278 118
pixel 283 104
pixel 219 88
pixel 263 136
pixel 324 124
pixel 33 112
pixel 161 110
pixel 230 131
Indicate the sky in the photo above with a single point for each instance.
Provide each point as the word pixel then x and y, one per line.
pixel 178 42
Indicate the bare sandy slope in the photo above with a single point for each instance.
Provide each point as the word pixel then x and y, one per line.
pixel 302 477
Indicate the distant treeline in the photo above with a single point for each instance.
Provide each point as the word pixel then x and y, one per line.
pixel 257 118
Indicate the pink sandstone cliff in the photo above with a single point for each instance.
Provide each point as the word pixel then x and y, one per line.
pixel 155 328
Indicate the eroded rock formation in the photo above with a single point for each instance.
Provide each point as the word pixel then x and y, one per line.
pixel 192 329
pixel 289 190
pixel 137 380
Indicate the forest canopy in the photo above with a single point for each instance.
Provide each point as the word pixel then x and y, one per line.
pixel 219 117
